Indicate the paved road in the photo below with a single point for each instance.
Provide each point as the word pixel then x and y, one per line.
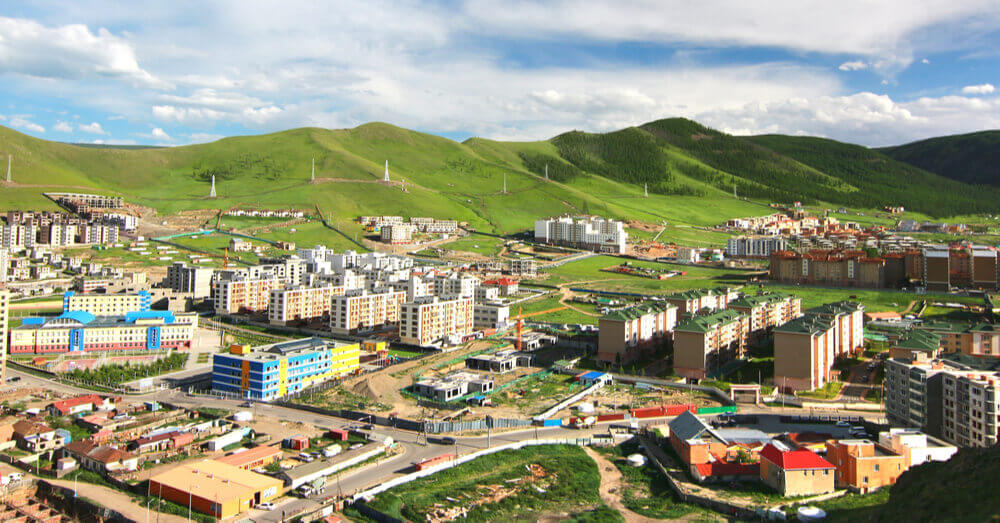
pixel 416 447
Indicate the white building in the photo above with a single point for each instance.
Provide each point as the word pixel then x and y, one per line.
pixel 194 280
pixel 429 320
pixel 490 316
pixel 755 246
pixel 918 447
pixel 301 303
pixel 359 311
pixel 593 233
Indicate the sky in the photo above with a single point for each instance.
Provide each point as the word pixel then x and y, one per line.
pixel 874 72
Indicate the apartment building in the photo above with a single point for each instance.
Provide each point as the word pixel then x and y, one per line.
pixel 953 397
pixel 360 311
pixel 845 268
pixel 767 311
pixel 804 353
pixel 863 465
pixel 237 292
pixel 79 331
pixel 696 300
pixel 626 335
pixel 585 232
pixel 490 316
pixel 107 304
pixel 849 320
pixel 527 267
pixel 455 285
pixel 196 281
pixel 703 344
pixel 276 370
pixel 301 304
pixel 755 246
pixel 431 320
pixel 397 234
pixel 980 340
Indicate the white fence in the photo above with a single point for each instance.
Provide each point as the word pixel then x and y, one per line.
pixel 566 402
pixel 463 459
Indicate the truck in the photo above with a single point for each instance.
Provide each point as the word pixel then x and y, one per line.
pixel 586 422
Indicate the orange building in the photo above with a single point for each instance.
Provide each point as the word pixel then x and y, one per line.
pixel 214 488
pixel 863 465
pixel 253 458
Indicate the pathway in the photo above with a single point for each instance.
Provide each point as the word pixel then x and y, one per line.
pixel 116 500
pixel 611 487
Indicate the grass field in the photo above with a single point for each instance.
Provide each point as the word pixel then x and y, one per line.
pixel 567 315
pixel 587 273
pixel 476 243
pixel 567 482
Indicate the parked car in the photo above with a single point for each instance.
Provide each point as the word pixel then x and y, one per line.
pixel 267 505
pixel 843 423
pixel 448 440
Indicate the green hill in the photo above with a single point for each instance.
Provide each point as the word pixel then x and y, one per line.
pixel 956 490
pixel 970 158
pixel 880 179
pixel 690 172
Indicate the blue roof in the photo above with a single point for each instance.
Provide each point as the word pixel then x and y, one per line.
pixel 131 317
pixel 83 317
pixel 34 320
pixel 592 375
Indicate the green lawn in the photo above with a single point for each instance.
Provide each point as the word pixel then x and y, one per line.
pixel 826 392
pixel 551 302
pixel 476 243
pixel 570 484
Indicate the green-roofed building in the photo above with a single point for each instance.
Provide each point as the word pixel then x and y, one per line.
pixel 977 339
pixel 916 345
pixel 767 311
pixel 704 343
pixel 693 301
pixel 804 352
pixel 628 334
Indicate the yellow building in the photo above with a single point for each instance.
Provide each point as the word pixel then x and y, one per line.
pixel 272 371
pixel 106 304
pixel 214 488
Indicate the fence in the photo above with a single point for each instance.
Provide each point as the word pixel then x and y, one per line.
pixel 566 402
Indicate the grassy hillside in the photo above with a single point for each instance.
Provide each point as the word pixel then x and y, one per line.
pixel 881 179
pixel 690 171
pixel 969 158
pixel 955 490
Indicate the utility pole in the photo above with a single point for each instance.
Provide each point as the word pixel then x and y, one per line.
pixel 546 172
pixel 8 168
pixel 312 178
pixel 505 183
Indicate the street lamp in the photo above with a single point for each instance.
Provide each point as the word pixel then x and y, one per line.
pixel 190 491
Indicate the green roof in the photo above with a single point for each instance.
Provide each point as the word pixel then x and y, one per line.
pixel 808 324
pixel 637 311
pixel 706 322
pixel 919 340
pixel 750 302
pixel 837 307
pixel 694 294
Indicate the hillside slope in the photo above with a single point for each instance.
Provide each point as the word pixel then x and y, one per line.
pixel 969 158
pixel 880 179
pixel 956 490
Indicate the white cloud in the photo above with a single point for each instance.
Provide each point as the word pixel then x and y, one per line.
pixel 160 134
pixel 204 137
pixel 92 128
pixel 21 122
pixel 62 127
pixel 925 61
pixel 978 89
pixel 857 65
pixel 68 52
pixel 865 118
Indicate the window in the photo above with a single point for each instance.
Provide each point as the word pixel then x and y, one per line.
pixel 876 468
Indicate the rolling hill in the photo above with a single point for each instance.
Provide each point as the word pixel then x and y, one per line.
pixel 690 172
pixel 970 158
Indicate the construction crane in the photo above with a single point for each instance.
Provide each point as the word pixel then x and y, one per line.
pixel 521 316
pixel 225 259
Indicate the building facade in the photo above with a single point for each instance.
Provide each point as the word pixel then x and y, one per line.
pixel 587 232
pixel 767 311
pixel 106 304
pixel 241 293
pixel 703 344
pixel 693 301
pixel 804 353
pixel 359 311
pixel 301 304
pixel 194 280
pixel 755 246
pixel 628 334
pixel 431 320
pixel 276 370
pixel 78 331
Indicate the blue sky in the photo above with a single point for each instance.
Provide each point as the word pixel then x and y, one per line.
pixel 875 73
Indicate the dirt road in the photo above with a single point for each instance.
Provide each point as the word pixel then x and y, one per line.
pixel 611 487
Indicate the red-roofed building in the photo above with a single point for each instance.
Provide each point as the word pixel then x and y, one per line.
pixel 164 441
pixel 796 472
pixel 253 458
pixel 507 286
pixel 80 404
pixel 99 458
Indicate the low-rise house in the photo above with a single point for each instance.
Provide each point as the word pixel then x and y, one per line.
pixel 164 441
pixel 100 458
pixel 796 472
pixel 863 465
pixel 915 446
pixel 35 436
pixel 453 386
pixel 81 404
pixel 256 457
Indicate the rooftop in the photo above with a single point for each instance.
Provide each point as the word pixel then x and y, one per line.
pixel 707 322
pixel 638 311
pixel 215 480
pixel 808 324
pixel 801 459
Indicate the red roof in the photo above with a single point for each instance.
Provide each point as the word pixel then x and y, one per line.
pixel 500 281
pixel 794 459
pixel 65 405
